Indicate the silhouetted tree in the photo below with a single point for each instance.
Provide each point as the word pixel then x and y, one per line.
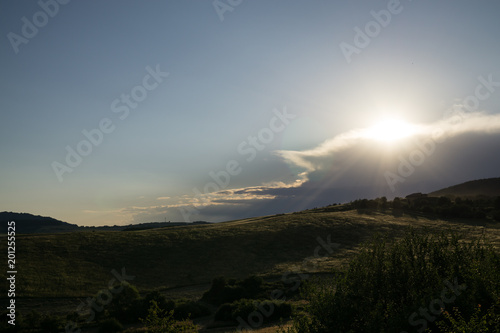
pixel 497 203
pixel 396 203
pixel 383 203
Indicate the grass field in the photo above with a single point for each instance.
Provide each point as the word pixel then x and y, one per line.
pixel 56 270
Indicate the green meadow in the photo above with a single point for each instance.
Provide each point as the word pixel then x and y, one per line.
pixel 57 271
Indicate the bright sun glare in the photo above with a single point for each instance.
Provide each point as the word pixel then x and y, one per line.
pixel 390 130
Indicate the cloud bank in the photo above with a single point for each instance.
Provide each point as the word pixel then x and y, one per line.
pixel 355 165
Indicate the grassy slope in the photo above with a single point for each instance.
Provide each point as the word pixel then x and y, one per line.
pixel 79 264
pixel 485 187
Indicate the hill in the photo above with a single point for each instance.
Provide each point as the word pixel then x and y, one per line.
pixel 57 271
pixel 80 263
pixel 472 189
pixel 36 224
pixel 28 223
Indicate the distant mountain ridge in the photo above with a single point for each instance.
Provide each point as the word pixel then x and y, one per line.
pixel 29 223
pixel 489 187
pixel 33 224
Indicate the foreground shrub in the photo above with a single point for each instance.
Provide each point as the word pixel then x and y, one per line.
pixel 268 310
pixel 190 309
pixel 33 319
pixel 51 323
pixel 222 292
pixel 161 321
pixel 403 286
pixel 110 325
pixel 479 322
pixel 125 304
pixel 253 287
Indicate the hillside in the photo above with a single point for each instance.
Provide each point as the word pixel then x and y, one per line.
pixel 483 187
pixel 56 272
pixel 35 224
pixel 80 263
pixel 28 223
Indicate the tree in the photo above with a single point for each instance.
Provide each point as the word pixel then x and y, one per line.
pixel 396 203
pixel 497 203
pixel 162 321
pixel 444 201
pixel 383 203
pixel 125 303
pixel 386 283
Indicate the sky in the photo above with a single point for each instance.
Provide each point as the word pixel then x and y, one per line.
pixel 118 112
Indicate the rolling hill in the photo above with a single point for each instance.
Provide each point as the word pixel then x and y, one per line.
pixel 36 224
pixel 59 264
pixel 78 264
pixel 483 187
pixel 28 223
pixel 56 272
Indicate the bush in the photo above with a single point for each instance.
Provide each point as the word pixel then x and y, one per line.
pixel 51 323
pixel 190 309
pixel 223 291
pixel 478 322
pixel 224 312
pixel 126 304
pixel 33 319
pixel 385 285
pixel 110 325
pixel 220 292
pixel 397 203
pixel 270 310
pixel 162 302
pixel 252 286
pixel 161 321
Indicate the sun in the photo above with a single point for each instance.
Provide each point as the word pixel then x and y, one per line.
pixel 390 130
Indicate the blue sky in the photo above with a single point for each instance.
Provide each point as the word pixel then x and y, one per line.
pixel 227 80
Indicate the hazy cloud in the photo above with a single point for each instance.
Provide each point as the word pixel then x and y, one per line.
pixel 353 165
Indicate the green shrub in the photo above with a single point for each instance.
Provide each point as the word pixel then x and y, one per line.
pixel 223 291
pixel 385 284
pixel 479 322
pixel 220 292
pixel 224 312
pixel 161 321
pixel 33 319
pixel 252 286
pixel 110 325
pixel 125 305
pixel 51 323
pixel 190 309
pixel 243 308
pixel 162 302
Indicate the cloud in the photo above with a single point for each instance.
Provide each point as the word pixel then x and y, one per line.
pixel 354 165
pixel 461 123
pixel 433 151
pixel 321 157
